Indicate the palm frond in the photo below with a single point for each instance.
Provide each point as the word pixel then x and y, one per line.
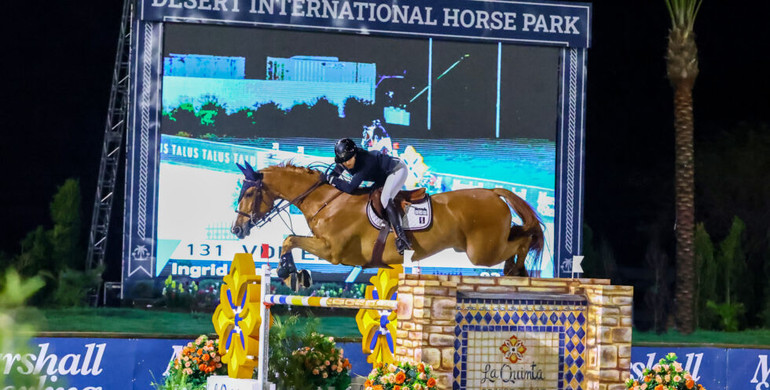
pixel 683 12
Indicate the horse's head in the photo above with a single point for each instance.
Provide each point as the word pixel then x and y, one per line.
pixel 254 202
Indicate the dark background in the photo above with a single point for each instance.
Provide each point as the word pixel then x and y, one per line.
pixel 59 57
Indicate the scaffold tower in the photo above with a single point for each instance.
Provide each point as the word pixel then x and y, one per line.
pixel 114 130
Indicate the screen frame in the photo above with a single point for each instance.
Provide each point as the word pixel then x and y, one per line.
pixel 143 127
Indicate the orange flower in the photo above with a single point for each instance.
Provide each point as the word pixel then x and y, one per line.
pixel 431 382
pixel 206 357
pixel 201 367
pixel 200 352
pixel 400 377
pixel 396 387
pixel 378 387
pixel 421 367
pixel 660 387
pixel 689 383
pixel 368 383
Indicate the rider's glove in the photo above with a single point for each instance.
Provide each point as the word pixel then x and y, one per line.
pixel 326 179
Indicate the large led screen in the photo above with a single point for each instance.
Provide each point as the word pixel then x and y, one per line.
pixel 460 114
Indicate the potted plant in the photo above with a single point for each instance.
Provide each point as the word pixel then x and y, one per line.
pixel 198 360
pixel 404 375
pixel 668 374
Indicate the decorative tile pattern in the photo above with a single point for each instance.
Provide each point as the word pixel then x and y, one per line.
pixel 546 339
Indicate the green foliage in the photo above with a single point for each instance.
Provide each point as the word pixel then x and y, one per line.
pixel 73 285
pixel 15 335
pixel 190 296
pixel 721 276
pixel 303 359
pixel 765 314
pixel 731 259
pixel 212 120
pixel 65 235
pixel 738 184
pixel 706 286
pixel 57 254
pixel 729 314
pixel 35 253
pixel 683 12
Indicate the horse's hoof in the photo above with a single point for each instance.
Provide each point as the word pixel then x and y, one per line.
pixel 283 272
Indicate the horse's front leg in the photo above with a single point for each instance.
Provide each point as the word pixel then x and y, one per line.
pixel 316 246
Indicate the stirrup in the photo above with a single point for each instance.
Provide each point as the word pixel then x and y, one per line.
pixel 402 244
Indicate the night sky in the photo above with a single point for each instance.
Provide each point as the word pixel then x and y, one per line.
pixel 59 59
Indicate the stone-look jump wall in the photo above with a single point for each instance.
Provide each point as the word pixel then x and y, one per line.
pixel 426 321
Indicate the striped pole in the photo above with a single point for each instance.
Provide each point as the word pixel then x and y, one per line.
pixel 343 303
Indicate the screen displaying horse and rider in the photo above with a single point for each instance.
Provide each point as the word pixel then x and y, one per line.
pixel 250 118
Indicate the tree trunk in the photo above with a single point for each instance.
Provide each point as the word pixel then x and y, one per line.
pixel 685 207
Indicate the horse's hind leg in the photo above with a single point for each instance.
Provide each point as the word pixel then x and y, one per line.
pixel 514 265
pixel 515 268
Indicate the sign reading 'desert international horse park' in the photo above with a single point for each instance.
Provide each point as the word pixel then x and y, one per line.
pixel 488 20
pixel 466 93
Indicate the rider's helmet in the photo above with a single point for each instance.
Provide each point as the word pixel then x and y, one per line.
pixel 344 150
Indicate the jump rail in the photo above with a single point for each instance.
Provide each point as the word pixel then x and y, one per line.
pixel 341 303
pixel 269 300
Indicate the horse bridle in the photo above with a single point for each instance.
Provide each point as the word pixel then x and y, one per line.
pixel 260 199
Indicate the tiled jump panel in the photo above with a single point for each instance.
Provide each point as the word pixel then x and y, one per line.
pixel 533 342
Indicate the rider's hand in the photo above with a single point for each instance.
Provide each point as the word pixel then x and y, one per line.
pixel 325 178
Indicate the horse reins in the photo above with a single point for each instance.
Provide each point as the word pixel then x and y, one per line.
pixel 296 201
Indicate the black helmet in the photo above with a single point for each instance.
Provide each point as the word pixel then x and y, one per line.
pixel 344 150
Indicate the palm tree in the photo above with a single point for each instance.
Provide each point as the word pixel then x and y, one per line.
pixel 682 69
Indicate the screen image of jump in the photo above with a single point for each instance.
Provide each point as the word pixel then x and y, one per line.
pixel 460 114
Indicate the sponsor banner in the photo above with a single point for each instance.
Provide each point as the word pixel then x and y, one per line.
pixel 92 363
pixel 751 369
pixel 106 364
pixel 102 363
pixel 540 23
pixel 714 368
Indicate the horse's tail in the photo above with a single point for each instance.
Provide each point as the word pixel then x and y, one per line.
pixel 531 224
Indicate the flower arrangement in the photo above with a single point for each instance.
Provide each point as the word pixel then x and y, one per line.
pixel 303 359
pixel 668 374
pixel 405 375
pixel 324 362
pixel 198 360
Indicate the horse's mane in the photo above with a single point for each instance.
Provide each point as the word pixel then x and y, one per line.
pixel 289 165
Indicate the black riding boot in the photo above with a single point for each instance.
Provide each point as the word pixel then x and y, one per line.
pixel 402 242
pixel 286 266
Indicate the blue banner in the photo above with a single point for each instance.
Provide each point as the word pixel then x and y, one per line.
pixel 107 363
pixel 714 368
pixel 540 23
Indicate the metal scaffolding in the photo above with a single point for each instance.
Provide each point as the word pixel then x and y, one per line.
pixel 113 142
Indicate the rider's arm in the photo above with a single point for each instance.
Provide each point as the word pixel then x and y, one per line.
pixel 337 171
pixel 347 186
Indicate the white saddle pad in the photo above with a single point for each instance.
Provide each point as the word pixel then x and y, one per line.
pixel 418 216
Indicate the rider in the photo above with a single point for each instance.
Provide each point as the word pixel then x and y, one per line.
pixel 385 171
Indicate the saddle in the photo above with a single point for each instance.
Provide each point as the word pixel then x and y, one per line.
pixel 401 200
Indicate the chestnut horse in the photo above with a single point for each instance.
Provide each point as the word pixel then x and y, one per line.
pixel 476 221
